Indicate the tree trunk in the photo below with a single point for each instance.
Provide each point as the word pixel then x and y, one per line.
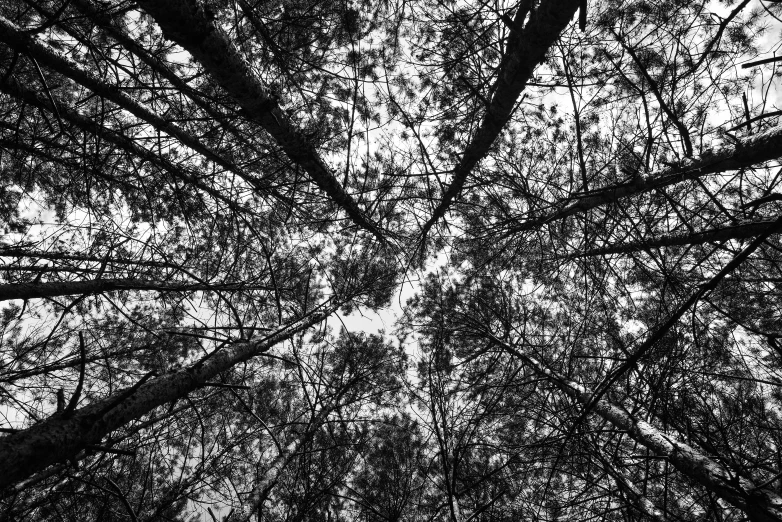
pixel 99 286
pixel 747 152
pixel 742 231
pixel 526 49
pixel 17 39
pixel 186 23
pixel 761 504
pixel 58 439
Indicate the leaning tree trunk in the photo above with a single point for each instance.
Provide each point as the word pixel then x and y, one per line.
pixel 745 153
pixel 187 23
pixel 20 40
pixel 526 50
pixel 714 235
pixel 60 438
pixel 99 286
pixel 61 110
pixel 760 503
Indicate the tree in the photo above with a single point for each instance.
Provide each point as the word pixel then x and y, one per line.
pixel 201 199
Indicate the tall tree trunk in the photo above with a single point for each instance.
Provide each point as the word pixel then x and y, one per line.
pixel 21 41
pixel 526 50
pixel 742 231
pixel 58 439
pixel 186 23
pixel 18 39
pixel 99 286
pixel 761 504
pixel 747 152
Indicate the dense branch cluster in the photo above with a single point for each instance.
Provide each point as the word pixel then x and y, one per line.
pixel 331 260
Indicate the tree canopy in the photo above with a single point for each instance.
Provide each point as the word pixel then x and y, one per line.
pixel 398 260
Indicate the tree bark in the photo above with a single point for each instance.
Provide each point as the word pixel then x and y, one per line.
pixel 761 504
pixel 747 152
pixel 99 286
pixel 741 231
pixel 186 23
pixel 59 439
pixel 17 38
pixel 527 49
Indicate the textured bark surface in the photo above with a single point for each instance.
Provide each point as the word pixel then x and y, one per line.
pixel 97 286
pixel 747 152
pixel 119 34
pixel 186 23
pixel 740 231
pixel 59 439
pixel 633 494
pixel 526 50
pixel 761 504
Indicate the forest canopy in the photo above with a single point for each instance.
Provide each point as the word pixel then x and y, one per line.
pixel 390 260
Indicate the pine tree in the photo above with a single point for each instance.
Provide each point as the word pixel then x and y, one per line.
pixel 201 199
